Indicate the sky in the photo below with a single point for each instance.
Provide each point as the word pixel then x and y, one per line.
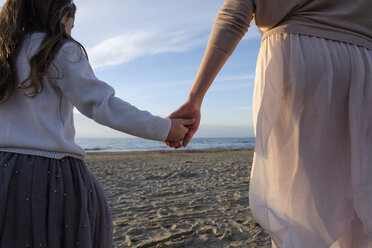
pixel 150 51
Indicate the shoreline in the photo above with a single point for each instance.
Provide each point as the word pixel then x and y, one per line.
pixel 170 151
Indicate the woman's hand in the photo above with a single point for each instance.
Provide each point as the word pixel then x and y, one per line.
pixel 179 128
pixel 187 110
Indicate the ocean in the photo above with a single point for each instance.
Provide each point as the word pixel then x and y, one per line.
pixel 137 144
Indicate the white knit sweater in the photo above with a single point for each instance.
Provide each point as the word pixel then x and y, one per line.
pixel 44 125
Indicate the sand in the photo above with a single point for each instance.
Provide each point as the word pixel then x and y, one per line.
pixel 179 198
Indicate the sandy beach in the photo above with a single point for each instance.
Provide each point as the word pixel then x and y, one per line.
pixel 179 198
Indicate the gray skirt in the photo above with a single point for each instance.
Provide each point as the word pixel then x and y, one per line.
pixel 47 202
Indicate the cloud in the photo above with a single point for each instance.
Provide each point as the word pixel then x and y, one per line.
pixel 119 31
pixel 132 45
pixel 124 30
pixel 129 46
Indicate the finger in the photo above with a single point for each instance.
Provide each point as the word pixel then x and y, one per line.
pixel 185 130
pixel 187 122
pixel 188 137
pixel 168 143
pixel 174 144
pixel 178 146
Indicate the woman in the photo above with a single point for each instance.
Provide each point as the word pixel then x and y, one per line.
pixel 48 196
pixel 312 109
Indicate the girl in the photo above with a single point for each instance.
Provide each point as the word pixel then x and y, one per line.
pixel 311 175
pixel 48 196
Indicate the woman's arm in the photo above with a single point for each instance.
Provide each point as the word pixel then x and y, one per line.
pixel 213 61
pixel 230 26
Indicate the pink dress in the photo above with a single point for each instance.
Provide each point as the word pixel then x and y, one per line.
pixel 311 181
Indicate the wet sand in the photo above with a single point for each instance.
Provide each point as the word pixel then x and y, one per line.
pixel 179 198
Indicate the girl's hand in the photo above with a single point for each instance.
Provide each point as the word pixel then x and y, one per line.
pixel 179 128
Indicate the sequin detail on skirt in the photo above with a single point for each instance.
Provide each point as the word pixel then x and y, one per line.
pixel 46 202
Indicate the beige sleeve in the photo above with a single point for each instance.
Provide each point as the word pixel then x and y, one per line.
pixel 231 24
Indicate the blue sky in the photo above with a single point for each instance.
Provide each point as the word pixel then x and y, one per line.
pixel 149 51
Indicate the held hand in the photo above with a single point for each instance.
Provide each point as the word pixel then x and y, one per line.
pixel 178 130
pixel 187 110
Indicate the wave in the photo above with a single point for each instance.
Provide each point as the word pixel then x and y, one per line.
pixel 136 144
pixel 97 149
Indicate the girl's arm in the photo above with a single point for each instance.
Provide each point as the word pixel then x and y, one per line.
pixel 73 75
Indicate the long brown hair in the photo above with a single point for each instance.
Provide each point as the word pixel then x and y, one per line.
pixel 19 18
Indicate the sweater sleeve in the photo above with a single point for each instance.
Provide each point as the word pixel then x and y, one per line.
pixel 96 99
pixel 231 24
